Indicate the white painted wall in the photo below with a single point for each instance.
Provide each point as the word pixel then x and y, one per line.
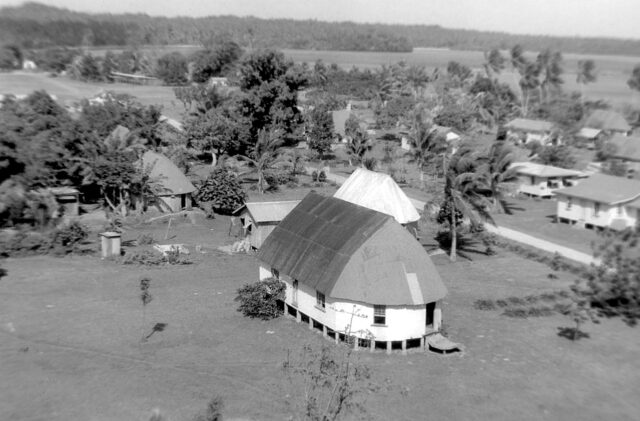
pixel 402 322
pixel 583 210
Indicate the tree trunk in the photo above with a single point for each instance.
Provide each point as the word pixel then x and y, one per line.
pixel 214 158
pixel 454 236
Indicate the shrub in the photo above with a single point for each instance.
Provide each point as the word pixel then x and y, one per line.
pixel 24 243
pixel 260 299
pixel 69 238
pixel 322 177
pixel 145 240
pixel 279 178
pixel 152 258
pixel 220 192
pixel 143 257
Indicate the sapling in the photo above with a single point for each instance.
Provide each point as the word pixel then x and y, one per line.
pixel 145 297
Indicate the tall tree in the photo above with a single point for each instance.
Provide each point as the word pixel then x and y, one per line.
pixel 320 130
pixel 426 144
pixel 585 75
pixel 220 130
pixel 270 84
pixel 499 171
pixel 466 193
pixel 266 155
pixel 529 84
pixel 634 80
pixel 172 69
pixel 494 63
pixel 550 67
pixel 357 147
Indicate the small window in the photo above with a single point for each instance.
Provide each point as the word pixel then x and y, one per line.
pixel 568 203
pixel 619 210
pixel 379 315
pixel 319 299
pixel 596 209
pixel 275 273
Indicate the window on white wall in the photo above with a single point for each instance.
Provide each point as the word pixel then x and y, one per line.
pixel 619 210
pixel 379 315
pixel 568 203
pixel 320 299
pixel 596 209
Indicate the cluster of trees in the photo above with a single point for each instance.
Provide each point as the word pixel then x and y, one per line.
pixel 34 25
pixel 41 145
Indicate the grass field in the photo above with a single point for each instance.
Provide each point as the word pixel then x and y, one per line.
pixel 70 348
pixel 69 91
pixel 537 217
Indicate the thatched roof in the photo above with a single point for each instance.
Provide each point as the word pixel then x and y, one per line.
pixel 352 253
pixel 172 181
pixel 379 192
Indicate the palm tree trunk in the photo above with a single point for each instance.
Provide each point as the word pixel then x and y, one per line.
pixel 214 159
pixel 454 235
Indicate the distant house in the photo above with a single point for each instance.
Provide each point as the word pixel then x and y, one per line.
pixel 609 122
pixel 173 189
pixel 353 271
pixel 543 180
pixel 524 130
pixel 627 149
pixel 588 137
pixel 29 65
pixel 379 192
pixel 218 81
pixel 451 136
pixel 171 123
pixel 258 219
pixel 601 201
pixel 68 199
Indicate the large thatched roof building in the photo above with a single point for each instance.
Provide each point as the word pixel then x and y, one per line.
pixel 348 267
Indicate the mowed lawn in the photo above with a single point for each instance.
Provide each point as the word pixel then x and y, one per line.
pixel 69 91
pixel 536 217
pixel 70 347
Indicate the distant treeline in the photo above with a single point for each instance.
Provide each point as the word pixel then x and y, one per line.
pixel 37 26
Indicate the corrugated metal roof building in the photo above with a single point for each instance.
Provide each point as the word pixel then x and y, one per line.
pixel 339 259
pixel 259 219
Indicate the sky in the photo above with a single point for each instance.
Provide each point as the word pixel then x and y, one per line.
pixel 608 18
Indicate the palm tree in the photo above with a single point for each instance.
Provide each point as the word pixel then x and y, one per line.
pixel 529 82
pixel 499 170
pixel 634 80
pixel 265 154
pixel 585 74
pixel 494 63
pixel 426 144
pixel 550 67
pixel 466 193
pixel 358 146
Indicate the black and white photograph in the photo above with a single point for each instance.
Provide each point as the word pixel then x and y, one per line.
pixel 319 210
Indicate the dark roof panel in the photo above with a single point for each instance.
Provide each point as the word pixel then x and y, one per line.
pixel 316 240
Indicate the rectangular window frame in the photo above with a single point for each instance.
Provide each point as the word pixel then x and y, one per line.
pixel 596 209
pixel 569 203
pixel 380 315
